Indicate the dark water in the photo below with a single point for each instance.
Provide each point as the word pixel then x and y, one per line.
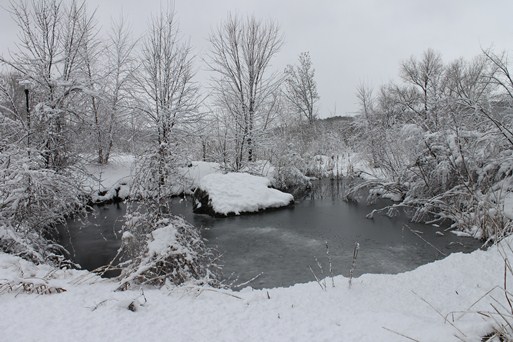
pixel 281 245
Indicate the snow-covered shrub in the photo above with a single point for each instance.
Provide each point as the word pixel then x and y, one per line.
pixel 33 200
pixel 158 247
pixel 162 248
pixel 321 166
pixel 452 174
pixel 155 175
pixel 446 141
pixel 289 173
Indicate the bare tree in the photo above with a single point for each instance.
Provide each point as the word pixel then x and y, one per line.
pixel 121 66
pixel 241 54
pixel 501 76
pixel 301 88
pixel 425 78
pixel 93 69
pixel 366 122
pixel 108 68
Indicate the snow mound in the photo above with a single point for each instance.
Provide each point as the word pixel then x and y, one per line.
pixel 236 193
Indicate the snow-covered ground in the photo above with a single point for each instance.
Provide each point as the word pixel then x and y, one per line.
pixel 236 193
pixel 436 302
pixel 190 176
pixel 117 174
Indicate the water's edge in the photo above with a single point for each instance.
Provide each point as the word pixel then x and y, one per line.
pixel 282 245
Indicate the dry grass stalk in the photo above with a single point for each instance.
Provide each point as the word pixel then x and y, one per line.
pixel 29 287
pixel 353 264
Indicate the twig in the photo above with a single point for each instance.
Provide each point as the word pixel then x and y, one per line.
pixel 249 281
pixel 429 243
pixel 100 303
pixel 353 265
pixel 439 313
pixel 317 279
pixel 217 291
pixel 330 264
pixel 481 298
pixel 402 335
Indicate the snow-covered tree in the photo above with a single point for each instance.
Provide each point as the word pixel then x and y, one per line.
pixel 166 96
pixel 424 80
pixel 120 68
pixel 52 34
pixel 159 248
pixel 38 190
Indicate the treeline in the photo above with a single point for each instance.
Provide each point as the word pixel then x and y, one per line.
pixel 443 139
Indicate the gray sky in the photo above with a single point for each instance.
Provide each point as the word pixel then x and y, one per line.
pixel 350 42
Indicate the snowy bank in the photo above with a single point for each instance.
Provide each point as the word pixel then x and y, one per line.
pixel 375 308
pixel 112 181
pixel 189 176
pixel 236 193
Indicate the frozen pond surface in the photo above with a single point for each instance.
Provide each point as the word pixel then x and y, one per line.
pixel 281 245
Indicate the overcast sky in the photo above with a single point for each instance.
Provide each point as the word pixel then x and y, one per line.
pixel 350 42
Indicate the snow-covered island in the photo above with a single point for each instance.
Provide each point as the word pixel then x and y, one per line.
pixel 237 193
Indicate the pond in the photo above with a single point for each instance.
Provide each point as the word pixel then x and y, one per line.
pixel 283 247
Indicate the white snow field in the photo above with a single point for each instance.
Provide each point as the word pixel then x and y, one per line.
pixel 241 193
pixel 436 302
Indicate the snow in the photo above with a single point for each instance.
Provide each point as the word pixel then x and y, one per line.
pixel 163 238
pixel 241 192
pixel 414 304
pixel 117 174
pixel 189 176
pixel 508 205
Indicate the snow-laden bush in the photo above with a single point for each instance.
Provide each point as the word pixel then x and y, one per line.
pixel 289 174
pixel 154 174
pixel 334 166
pixel 33 200
pixel 445 137
pixel 158 247
pixel 459 175
pixel 161 248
